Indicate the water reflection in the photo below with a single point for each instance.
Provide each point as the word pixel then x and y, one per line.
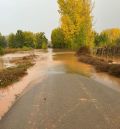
pixel 72 65
pixel 48 63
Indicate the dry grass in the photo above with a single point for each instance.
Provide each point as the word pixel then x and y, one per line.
pixel 11 75
pixel 101 65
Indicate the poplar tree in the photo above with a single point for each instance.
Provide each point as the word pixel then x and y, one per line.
pixel 76 22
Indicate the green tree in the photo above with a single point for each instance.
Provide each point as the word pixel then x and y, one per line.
pixel 29 39
pixel 101 39
pixel 57 38
pixel 40 39
pixel 12 40
pixel 44 45
pixel 3 41
pixel 16 40
pixel 19 39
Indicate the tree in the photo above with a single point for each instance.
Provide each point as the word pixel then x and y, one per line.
pixel 12 40
pixel 16 40
pixel 76 22
pixel 101 39
pixel 44 45
pixel 26 39
pixel 112 34
pixel 57 38
pixel 40 39
pixel 3 41
pixel 29 39
pixel 19 39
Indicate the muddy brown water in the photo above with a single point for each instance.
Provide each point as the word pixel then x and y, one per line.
pixel 47 63
pixel 72 65
pixel 5 61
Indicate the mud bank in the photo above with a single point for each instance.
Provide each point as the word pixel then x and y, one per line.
pixel 35 75
pixel 101 65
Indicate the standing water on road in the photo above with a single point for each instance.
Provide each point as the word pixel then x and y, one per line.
pixel 49 63
pixel 35 74
pixel 72 65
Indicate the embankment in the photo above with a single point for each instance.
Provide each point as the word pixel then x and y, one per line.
pixel 13 74
pixel 101 65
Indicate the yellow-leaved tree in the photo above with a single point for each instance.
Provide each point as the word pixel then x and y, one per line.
pixel 76 22
pixel 112 35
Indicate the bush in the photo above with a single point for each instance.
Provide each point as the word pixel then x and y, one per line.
pixel 101 65
pixel 84 51
pixel 44 45
pixel 11 75
pixel 1 51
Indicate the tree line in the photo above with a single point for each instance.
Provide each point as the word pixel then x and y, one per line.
pixel 107 38
pixel 76 28
pixel 107 43
pixel 22 39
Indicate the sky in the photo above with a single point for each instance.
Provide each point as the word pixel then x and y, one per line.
pixel 42 15
pixel 106 14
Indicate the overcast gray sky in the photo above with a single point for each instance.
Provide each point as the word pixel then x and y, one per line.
pixel 106 14
pixel 42 15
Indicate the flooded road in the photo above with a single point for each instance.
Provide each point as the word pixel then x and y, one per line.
pixel 71 64
pixel 61 93
pixel 35 74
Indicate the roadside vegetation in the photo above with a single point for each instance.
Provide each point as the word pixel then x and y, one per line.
pixel 75 30
pixel 22 40
pixel 76 33
pixel 101 65
pixel 13 74
pixel 107 48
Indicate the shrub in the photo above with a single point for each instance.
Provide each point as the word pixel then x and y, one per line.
pixel 44 45
pixel 84 51
pixel 101 65
pixel 11 75
pixel 1 51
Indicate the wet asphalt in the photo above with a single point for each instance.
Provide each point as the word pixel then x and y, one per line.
pixel 65 101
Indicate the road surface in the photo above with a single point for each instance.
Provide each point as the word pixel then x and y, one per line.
pixel 65 101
